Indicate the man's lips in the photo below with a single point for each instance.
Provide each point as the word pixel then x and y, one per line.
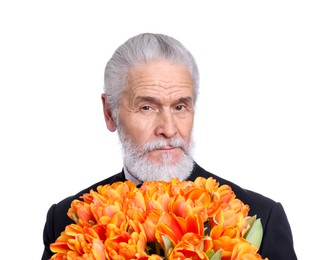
pixel 167 148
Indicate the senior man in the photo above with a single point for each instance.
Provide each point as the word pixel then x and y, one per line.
pixel 150 91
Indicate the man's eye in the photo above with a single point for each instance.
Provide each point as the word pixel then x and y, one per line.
pixel 180 107
pixel 146 108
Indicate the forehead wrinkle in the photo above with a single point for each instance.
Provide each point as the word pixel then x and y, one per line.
pixel 160 90
pixel 164 87
pixel 140 78
pixel 152 94
pixel 160 83
pixel 160 94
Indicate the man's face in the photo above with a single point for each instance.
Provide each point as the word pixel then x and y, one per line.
pixel 158 105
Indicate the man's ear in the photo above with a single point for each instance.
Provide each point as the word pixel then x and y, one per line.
pixel 111 125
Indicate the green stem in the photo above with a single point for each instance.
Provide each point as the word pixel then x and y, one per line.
pixel 157 248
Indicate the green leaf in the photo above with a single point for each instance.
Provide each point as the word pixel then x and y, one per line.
pixel 250 222
pixel 209 253
pixel 254 235
pixel 217 255
pixel 168 245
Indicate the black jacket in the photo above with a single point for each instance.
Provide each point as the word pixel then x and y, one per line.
pixel 277 240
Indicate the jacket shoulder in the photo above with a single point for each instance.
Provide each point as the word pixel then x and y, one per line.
pixel 259 204
pixel 57 218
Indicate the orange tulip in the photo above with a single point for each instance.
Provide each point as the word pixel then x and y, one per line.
pixel 137 201
pixel 122 245
pixel 98 250
pixel 150 224
pixel 180 207
pixel 76 240
pixel 225 244
pixel 169 226
pixel 192 246
pixel 194 224
pixel 199 194
pixel 81 211
pixel 120 221
pixel 156 201
pixel 61 245
pixel 188 204
pixel 226 194
pixel 245 250
pixel 150 257
pixel 115 217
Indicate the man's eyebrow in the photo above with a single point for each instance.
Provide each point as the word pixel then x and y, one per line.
pixel 147 99
pixel 186 100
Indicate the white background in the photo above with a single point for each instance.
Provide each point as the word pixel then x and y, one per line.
pixel 262 119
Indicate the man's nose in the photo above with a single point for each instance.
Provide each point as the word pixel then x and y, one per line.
pixel 166 124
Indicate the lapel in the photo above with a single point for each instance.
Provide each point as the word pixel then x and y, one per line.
pixel 198 172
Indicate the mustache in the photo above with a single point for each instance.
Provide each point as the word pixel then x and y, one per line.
pixel 174 142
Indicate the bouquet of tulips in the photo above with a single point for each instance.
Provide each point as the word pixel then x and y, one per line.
pixel 198 219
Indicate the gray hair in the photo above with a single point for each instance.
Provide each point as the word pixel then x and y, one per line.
pixel 141 49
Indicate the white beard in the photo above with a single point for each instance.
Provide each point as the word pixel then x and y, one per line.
pixel 138 164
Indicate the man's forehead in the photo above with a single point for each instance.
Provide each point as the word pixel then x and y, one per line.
pixel 157 92
pixel 159 80
pixel 161 69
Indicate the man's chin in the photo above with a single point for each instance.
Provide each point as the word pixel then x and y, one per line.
pixel 165 158
pixel 161 170
pixel 162 163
